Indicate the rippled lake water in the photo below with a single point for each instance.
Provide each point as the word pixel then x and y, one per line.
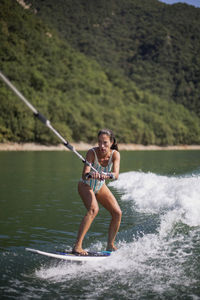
pixel 158 241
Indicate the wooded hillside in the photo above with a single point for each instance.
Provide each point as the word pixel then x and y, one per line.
pixel 129 65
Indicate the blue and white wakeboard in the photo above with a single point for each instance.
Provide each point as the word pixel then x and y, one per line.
pixel 92 256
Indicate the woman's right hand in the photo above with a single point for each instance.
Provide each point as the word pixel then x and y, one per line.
pixel 96 175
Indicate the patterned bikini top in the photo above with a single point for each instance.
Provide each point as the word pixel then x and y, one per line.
pixel 96 184
pixel 99 167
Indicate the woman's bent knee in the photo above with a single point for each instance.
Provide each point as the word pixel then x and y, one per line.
pixel 117 214
pixel 93 212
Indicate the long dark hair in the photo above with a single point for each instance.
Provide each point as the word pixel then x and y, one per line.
pixel 109 132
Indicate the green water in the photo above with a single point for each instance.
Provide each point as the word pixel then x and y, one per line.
pixel 40 208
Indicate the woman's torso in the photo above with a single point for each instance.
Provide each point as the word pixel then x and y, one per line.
pixel 96 184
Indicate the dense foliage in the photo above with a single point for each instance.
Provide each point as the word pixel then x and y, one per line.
pixel 92 64
pixel 154 44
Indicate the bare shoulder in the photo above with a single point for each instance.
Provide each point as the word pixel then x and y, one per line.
pixel 90 155
pixel 116 155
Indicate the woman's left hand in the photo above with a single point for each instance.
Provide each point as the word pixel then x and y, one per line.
pixel 105 176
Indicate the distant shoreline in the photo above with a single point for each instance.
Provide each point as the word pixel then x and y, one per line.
pixel 84 147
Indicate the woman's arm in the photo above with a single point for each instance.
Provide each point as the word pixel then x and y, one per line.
pixel 86 168
pixel 116 164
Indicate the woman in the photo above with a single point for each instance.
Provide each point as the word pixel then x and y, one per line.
pixel 92 188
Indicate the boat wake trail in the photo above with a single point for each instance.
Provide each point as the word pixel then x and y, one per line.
pixel 156 263
pixel 151 193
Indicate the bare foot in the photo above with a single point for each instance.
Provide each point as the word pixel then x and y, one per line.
pixel 111 248
pixel 79 251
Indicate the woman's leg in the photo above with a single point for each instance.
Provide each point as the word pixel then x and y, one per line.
pixel 92 207
pixel 106 198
